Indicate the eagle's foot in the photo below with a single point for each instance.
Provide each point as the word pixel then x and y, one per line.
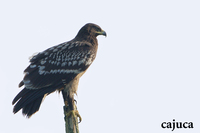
pixel 74 114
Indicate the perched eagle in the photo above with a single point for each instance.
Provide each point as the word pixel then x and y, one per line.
pixel 57 68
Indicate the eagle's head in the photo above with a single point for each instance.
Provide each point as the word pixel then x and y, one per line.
pixel 91 30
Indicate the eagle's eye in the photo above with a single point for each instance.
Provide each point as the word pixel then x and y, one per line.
pixel 98 29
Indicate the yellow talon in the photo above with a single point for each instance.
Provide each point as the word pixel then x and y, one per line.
pixel 74 114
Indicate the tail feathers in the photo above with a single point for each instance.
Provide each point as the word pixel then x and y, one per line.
pixel 19 95
pixel 30 100
pixel 32 107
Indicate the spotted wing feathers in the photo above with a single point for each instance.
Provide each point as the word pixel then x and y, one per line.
pixel 60 62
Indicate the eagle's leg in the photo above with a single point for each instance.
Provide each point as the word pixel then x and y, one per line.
pixel 70 107
pixel 73 109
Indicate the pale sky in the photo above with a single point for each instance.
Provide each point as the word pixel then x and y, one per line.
pixel 147 69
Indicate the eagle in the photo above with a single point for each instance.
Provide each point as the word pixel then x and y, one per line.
pixel 57 68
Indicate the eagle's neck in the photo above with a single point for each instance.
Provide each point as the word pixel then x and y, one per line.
pixel 89 38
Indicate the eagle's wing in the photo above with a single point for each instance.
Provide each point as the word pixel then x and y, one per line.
pixel 57 65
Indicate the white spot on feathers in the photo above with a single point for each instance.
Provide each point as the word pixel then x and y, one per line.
pixel 71 46
pixel 43 62
pixel 41 70
pixel 69 63
pixel 33 66
pixel 81 61
pixel 26 81
pixel 63 64
pixel 33 56
pixel 55 50
pixel 64 47
pixel 74 62
pixel 54 71
pixel 46 53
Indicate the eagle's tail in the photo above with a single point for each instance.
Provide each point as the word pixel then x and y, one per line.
pixel 30 100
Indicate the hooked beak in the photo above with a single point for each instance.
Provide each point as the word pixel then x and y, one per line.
pixel 102 33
